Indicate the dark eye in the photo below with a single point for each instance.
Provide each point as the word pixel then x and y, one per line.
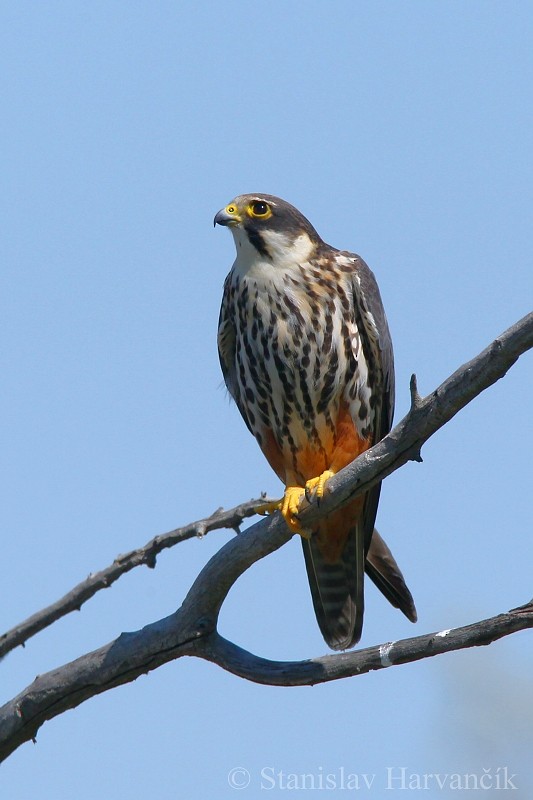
pixel 260 208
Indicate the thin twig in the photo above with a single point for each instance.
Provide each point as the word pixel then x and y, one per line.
pixel 146 555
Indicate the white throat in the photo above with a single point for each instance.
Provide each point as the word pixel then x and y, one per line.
pixel 284 252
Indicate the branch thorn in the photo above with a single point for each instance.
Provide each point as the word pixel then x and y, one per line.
pixel 416 400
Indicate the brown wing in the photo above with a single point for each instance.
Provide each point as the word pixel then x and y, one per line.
pixel 377 347
pixel 380 564
pixel 382 569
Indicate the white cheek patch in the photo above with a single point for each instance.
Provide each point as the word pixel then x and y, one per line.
pixel 285 250
pixel 285 254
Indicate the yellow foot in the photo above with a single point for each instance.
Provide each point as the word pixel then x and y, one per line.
pixel 288 505
pixel 318 484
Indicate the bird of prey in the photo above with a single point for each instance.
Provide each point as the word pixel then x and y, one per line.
pixel 307 356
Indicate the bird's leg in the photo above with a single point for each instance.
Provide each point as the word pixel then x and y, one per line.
pixel 288 505
pixel 290 502
pixel 289 508
pixel 318 485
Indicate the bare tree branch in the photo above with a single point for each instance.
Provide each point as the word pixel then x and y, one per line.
pixel 134 654
pixel 401 445
pixel 74 599
pixel 192 630
pixel 334 667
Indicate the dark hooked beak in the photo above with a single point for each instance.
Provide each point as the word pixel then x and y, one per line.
pixel 224 218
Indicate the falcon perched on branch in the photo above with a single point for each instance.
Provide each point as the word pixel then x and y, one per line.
pixel 306 354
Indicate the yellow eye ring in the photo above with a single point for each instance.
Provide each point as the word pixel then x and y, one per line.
pixel 259 209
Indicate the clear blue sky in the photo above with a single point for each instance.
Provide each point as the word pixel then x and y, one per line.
pixel 403 130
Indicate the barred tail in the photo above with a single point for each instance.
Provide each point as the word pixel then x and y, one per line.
pixel 337 587
pixel 336 563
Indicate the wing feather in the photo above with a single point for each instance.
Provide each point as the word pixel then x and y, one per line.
pixel 227 351
pixel 377 347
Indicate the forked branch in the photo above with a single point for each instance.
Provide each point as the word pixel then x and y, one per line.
pixel 192 630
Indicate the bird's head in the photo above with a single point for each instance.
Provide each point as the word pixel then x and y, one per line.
pixel 271 226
